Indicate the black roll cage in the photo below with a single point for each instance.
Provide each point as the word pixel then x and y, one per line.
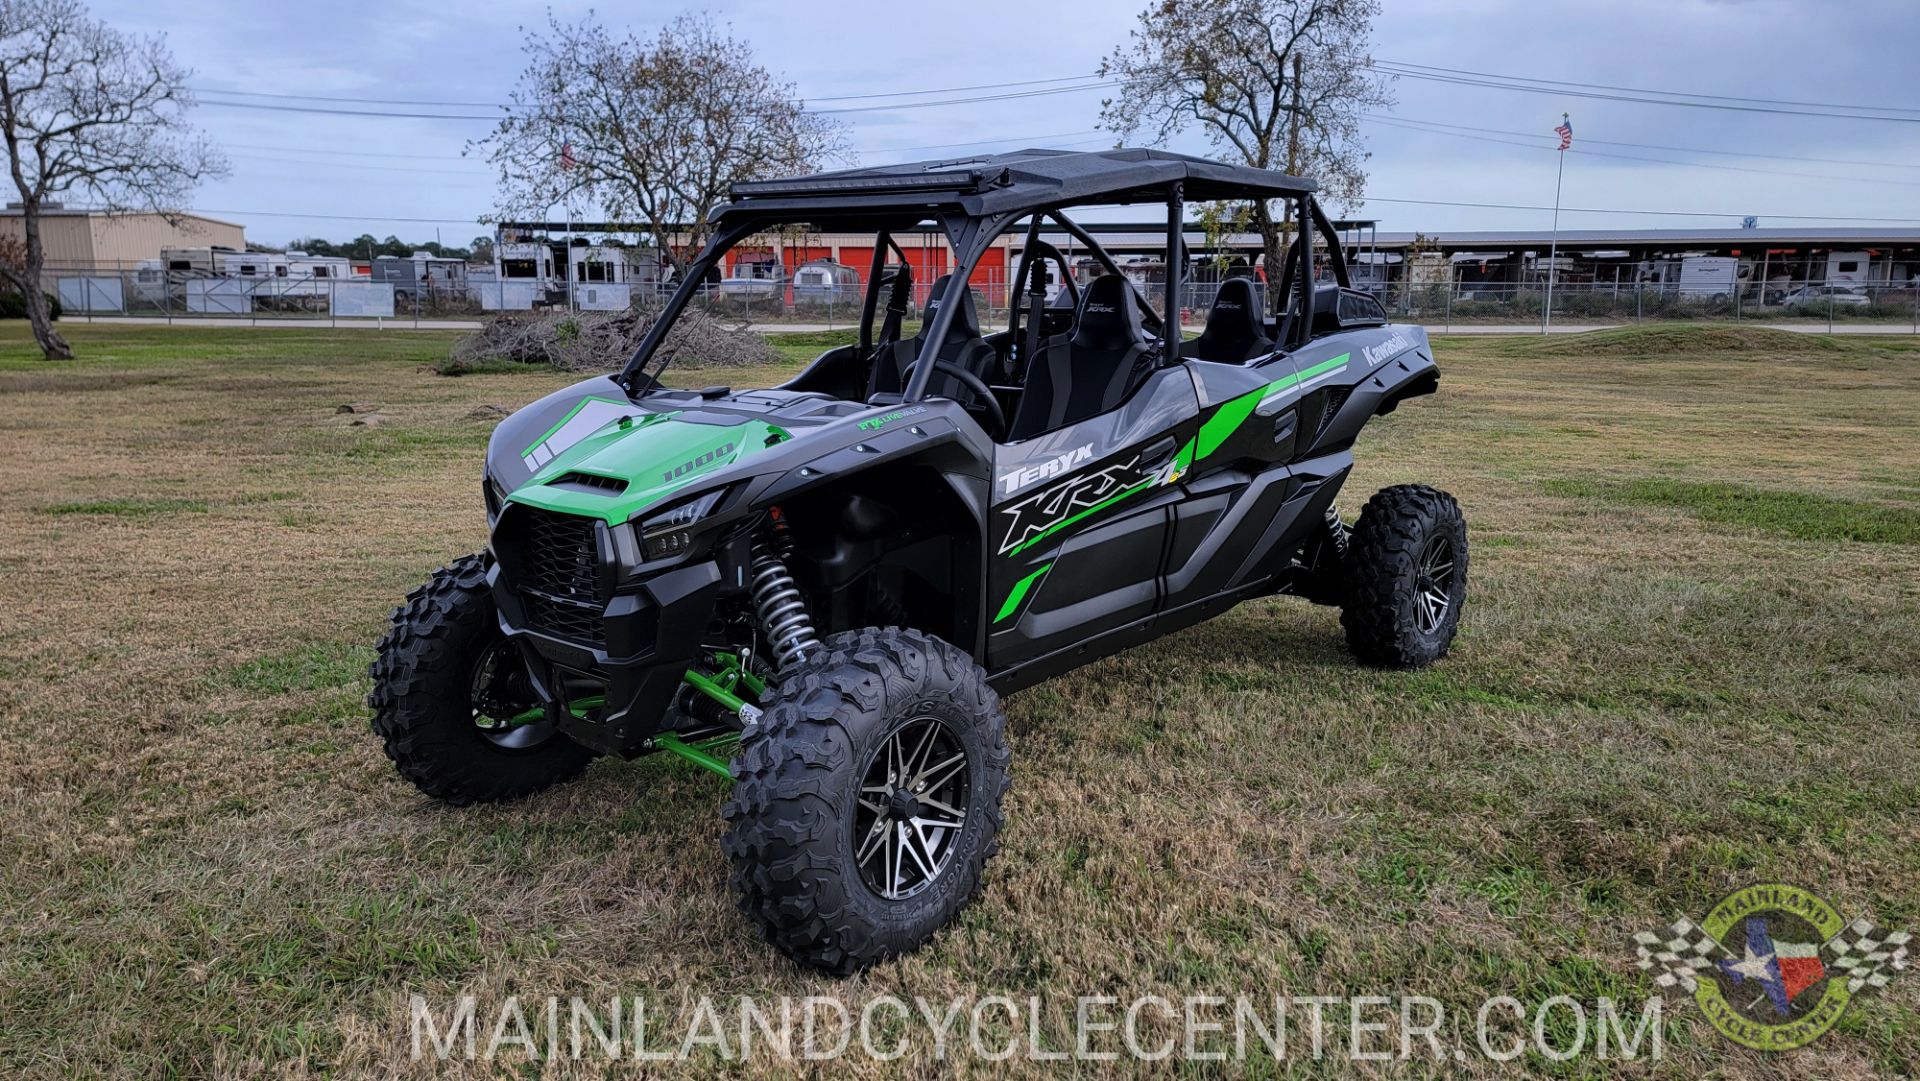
pixel 971 235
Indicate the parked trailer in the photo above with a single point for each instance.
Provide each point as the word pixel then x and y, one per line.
pixel 529 276
pixel 824 281
pixel 1714 277
pixel 423 275
pixel 755 279
pixel 1852 267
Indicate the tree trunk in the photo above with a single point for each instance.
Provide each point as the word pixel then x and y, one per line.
pixel 1273 252
pixel 41 317
pixel 52 345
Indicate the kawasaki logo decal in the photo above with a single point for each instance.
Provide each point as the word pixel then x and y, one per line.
pixel 1046 470
pixel 1387 350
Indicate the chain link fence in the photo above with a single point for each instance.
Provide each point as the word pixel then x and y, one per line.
pixel 834 304
pixel 1833 303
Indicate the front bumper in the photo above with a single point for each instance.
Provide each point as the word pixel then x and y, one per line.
pixel 648 634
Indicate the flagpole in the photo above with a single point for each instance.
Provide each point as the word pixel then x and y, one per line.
pixel 1553 252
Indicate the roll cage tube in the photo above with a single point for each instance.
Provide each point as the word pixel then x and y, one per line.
pixel 1336 256
pixel 870 304
pixel 1176 269
pixel 971 236
pixel 694 280
pixel 1100 254
pixel 1297 319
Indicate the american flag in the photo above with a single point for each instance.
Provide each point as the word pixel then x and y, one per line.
pixel 1565 131
pixel 566 155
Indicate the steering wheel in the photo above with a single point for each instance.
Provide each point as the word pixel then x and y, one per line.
pixel 967 379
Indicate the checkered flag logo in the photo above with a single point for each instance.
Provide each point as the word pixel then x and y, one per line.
pixel 1866 955
pixel 1678 954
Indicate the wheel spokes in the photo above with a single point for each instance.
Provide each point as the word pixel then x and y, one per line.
pixel 910 808
pixel 916 845
pixel 946 808
pixel 917 760
pixel 876 837
pixel 932 778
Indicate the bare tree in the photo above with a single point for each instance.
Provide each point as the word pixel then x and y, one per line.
pixel 649 130
pixel 1281 84
pixel 91 112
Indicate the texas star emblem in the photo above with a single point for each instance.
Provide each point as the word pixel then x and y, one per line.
pixel 1773 966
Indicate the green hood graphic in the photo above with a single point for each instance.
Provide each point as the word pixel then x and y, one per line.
pixel 632 461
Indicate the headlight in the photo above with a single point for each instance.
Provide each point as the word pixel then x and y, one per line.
pixel 670 533
pixel 495 494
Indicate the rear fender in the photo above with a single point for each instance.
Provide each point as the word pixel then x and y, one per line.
pixel 1388 366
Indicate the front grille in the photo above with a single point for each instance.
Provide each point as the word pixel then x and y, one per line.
pixel 561 556
pixel 565 619
pixel 554 563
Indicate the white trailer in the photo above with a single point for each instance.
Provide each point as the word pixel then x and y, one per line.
pixel 1849 267
pixel 1710 277
pixel 254 266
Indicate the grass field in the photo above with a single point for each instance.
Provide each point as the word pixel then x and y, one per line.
pixel 1688 664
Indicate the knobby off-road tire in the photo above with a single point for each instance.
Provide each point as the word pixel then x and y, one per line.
pixel 423 698
pixel 1406 577
pixel 803 772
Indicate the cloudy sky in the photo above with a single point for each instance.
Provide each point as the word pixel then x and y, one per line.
pixel 308 173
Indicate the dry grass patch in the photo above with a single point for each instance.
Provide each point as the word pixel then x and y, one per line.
pixel 1667 686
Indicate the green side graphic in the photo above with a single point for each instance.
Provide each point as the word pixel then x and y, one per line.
pixel 1234 412
pixel 1019 592
pixel 1225 421
pixel 1097 507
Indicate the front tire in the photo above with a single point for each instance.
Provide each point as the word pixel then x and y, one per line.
pixel 1406 577
pixel 450 701
pixel 866 801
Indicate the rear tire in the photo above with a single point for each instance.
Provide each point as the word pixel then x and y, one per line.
pixel 1406 577
pixel 443 681
pixel 819 807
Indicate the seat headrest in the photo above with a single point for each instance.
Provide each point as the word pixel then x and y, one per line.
pixel 966 322
pixel 1235 317
pixel 1235 327
pixel 1108 317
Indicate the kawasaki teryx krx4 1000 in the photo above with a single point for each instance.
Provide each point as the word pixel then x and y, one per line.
pixel 820 590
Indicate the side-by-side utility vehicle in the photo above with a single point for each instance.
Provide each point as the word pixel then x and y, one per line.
pixel 821 589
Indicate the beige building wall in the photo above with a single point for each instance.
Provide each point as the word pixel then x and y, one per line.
pixel 128 238
pixel 93 240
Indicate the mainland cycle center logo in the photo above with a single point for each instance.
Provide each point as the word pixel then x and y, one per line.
pixel 1773 966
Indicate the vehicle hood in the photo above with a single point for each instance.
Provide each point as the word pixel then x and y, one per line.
pixel 638 459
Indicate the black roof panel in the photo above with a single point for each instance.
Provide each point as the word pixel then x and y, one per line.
pixel 1000 183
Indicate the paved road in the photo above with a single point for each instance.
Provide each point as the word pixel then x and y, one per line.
pixel 803 328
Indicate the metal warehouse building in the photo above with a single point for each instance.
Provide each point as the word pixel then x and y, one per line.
pixel 80 239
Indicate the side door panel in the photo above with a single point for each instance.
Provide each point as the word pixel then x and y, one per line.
pixel 1079 521
pixel 1245 501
